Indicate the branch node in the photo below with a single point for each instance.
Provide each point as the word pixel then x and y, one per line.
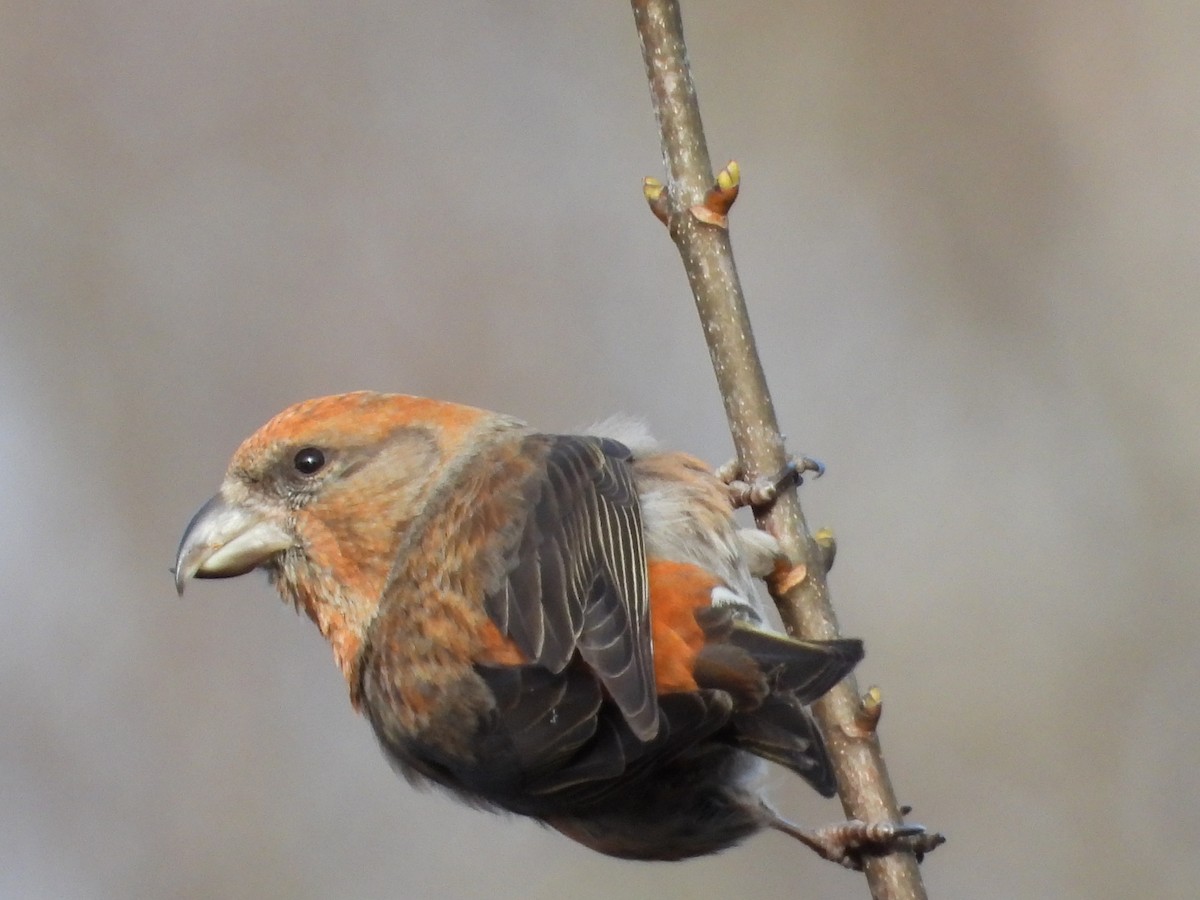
pixel 702 213
pixel 866 719
pixel 656 196
pixel 729 178
pixel 827 546
pixel 719 199
pixel 787 578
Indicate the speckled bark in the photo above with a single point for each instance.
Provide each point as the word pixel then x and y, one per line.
pixel 707 254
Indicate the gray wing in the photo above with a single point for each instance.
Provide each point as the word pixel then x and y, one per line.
pixel 576 576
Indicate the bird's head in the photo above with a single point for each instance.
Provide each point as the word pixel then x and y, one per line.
pixel 320 497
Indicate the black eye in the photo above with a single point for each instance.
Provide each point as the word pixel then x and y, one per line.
pixel 309 461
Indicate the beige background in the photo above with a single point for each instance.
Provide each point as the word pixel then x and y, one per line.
pixel 969 237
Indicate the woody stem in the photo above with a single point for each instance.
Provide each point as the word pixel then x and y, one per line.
pixel 863 783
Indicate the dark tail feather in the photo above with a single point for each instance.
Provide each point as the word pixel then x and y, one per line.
pixel 782 731
pixel 771 677
pixel 806 669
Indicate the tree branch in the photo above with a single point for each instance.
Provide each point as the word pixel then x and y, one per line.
pixel 803 599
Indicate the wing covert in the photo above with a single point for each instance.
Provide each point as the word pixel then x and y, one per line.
pixel 576 574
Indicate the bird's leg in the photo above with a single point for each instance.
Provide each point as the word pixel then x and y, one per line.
pixel 764 489
pixel 850 843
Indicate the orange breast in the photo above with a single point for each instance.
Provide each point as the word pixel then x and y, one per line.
pixel 677 590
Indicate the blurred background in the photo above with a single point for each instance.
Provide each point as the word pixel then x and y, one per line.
pixel 968 235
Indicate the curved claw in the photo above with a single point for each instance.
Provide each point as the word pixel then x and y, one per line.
pixel 765 489
pixel 808 464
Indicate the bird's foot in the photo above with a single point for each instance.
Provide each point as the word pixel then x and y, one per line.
pixel 765 489
pixel 850 843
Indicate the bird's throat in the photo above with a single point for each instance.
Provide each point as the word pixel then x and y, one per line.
pixel 340 618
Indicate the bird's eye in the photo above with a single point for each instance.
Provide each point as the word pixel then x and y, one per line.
pixel 309 461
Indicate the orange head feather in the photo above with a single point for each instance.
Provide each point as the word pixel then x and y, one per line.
pixel 344 475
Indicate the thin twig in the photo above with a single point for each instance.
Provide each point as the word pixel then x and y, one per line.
pixel 803 598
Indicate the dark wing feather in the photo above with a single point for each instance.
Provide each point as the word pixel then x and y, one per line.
pixel 556 744
pixel 617 759
pixel 546 718
pixel 576 574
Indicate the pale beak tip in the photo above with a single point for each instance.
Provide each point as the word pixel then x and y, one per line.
pixel 224 540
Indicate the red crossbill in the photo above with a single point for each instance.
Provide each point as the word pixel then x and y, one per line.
pixel 561 626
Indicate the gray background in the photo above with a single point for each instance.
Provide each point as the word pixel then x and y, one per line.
pixel 969 237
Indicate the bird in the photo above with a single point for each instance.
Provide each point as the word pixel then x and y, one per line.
pixel 559 626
